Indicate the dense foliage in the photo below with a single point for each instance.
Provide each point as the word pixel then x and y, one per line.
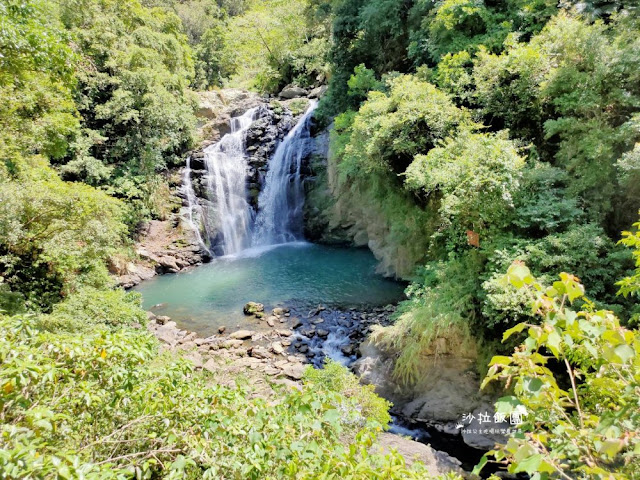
pixel 105 404
pixel 585 420
pixel 466 133
pixel 478 133
pixel 482 133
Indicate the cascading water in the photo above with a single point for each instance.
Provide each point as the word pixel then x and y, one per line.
pixel 194 210
pixel 224 223
pixel 226 181
pixel 280 202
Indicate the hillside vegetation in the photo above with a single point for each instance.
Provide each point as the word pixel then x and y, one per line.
pixel 477 133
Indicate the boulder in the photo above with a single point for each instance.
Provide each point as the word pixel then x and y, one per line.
pixel 169 263
pixel 252 308
pixel 437 463
pixel 210 104
pixel 196 358
pixel 292 91
pixel 318 91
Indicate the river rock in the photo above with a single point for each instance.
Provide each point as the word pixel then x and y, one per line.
pixel 277 348
pixel 232 343
pixel 162 319
pixel 348 350
pixel 279 311
pixel 242 334
pixel 252 308
pixel 260 352
pixel 210 365
pixel 221 329
pixel 295 370
pixel 271 321
pixel 169 263
pixel 323 333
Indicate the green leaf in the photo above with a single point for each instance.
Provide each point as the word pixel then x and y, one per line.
pixel 529 465
pixel 517 329
pixel 625 352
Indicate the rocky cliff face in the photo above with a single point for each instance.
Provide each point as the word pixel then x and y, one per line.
pixel 338 214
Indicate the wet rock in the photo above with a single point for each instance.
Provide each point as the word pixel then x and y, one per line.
pixel 162 319
pixel 316 311
pixel 348 350
pixel 252 308
pixel 308 332
pixel 279 311
pixel 323 333
pixel 271 321
pixel 296 322
pixel 221 329
pixel 242 334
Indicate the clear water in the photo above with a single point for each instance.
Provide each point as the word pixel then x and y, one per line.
pixel 295 274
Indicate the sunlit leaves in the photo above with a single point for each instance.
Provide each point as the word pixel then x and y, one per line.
pixel 592 426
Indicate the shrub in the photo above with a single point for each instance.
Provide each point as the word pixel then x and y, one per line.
pixel 577 377
pixel 105 405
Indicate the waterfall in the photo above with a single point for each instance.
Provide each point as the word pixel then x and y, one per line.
pixel 224 222
pixel 194 210
pixel 226 181
pixel 281 200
